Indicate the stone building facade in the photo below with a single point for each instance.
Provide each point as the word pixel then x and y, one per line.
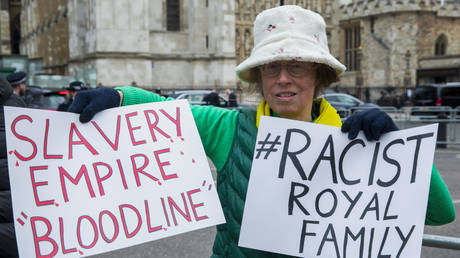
pixel 45 33
pixel 157 44
pixel 400 44
pixel 195 44
pixel 168 44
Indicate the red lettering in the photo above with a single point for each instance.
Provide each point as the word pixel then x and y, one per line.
pixel 194 206
pixel 45 237
pixel 45 144
pixel 114 145
pixel 131 129
pixel 147 214
pixel 165 211
pixel 138 170
pixel 154 125
pixel 115 225
pixel 21 137
pixel 61 233
pixel 162 164
pixel 93 224
pixel 73 128
pixel 185 214
pixel 125 226
pixel 100 179
pixel 37 184
pixel 175 121
pixel 83 171
pixel 122 174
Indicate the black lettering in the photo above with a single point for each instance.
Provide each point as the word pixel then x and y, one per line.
pixel 380 255
pixel 334 206
pixel 354 237
pixel 294 198
pixel 293 155
pixel 404 238
pixel 371 244
pixel 417 149
pixel 352 202
pixel 369 207
pixel 342 157
pixel 330 158
pixel 391 161
pixel 385 216
pixel 333 239
pixel 374 162
pixel 305 233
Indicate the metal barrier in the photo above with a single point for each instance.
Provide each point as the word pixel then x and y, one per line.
pixel 411 116
pixel 444 242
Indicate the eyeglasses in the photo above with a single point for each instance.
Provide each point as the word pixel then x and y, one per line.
pixel 295 69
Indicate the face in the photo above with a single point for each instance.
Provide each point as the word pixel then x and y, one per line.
pixel 22 89
pixel 289 87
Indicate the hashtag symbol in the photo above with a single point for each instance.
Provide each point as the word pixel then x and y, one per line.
pixel 270 149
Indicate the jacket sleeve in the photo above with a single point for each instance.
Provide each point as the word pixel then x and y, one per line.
pixel 215 125
pixel 440 208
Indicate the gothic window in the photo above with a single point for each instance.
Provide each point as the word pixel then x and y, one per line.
pixel 173 15
pixel 440 45
pixel 352 47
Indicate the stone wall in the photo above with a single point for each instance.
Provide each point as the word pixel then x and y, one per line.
pixel 44 33
pixel 130 42
pixel 5 47
pixel 404 33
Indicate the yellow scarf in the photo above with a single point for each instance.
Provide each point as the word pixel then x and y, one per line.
pixel 327 114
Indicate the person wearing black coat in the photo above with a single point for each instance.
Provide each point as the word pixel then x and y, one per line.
pixel 8 247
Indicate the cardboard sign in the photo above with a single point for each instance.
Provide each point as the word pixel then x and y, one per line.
pixel 131 175
pixel 314 193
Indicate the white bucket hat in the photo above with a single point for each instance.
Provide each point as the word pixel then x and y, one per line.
pixel 288 32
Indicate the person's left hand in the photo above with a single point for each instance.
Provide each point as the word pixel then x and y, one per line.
pixel 374 122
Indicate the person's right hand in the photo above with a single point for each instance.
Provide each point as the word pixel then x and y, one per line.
pixel 87 103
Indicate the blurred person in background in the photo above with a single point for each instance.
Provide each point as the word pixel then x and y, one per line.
pixel 232 102
pixel 74 88
pixel 8 246
pixel 17 80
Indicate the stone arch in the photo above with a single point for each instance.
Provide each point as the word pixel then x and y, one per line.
pixel 440 46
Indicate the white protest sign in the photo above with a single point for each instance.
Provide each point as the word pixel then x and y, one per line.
pixel 314 193
pixel 132 175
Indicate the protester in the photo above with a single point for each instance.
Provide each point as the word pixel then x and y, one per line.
pixel 17 80
pixel 212 98
pixel 232 102
pixel 8 246
pixel 73 89
pixel 290 62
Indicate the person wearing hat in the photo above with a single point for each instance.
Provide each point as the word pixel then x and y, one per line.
pixel 289 64
pixel 8 246
pixel 73 89
pixel 17 80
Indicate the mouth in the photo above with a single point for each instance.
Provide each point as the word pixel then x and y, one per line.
pixel 285 95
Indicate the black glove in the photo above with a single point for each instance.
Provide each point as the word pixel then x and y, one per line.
pixel 87 103
pixel 374 122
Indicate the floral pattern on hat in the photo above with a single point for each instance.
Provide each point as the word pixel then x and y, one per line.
pixel 271 27
pixel 317 37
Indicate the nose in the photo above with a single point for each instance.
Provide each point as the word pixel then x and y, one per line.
pixel 284 76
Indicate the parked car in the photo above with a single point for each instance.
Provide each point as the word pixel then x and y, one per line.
pixel 195 97
pixel 37 97
pixel 342 100
pixel 437 95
